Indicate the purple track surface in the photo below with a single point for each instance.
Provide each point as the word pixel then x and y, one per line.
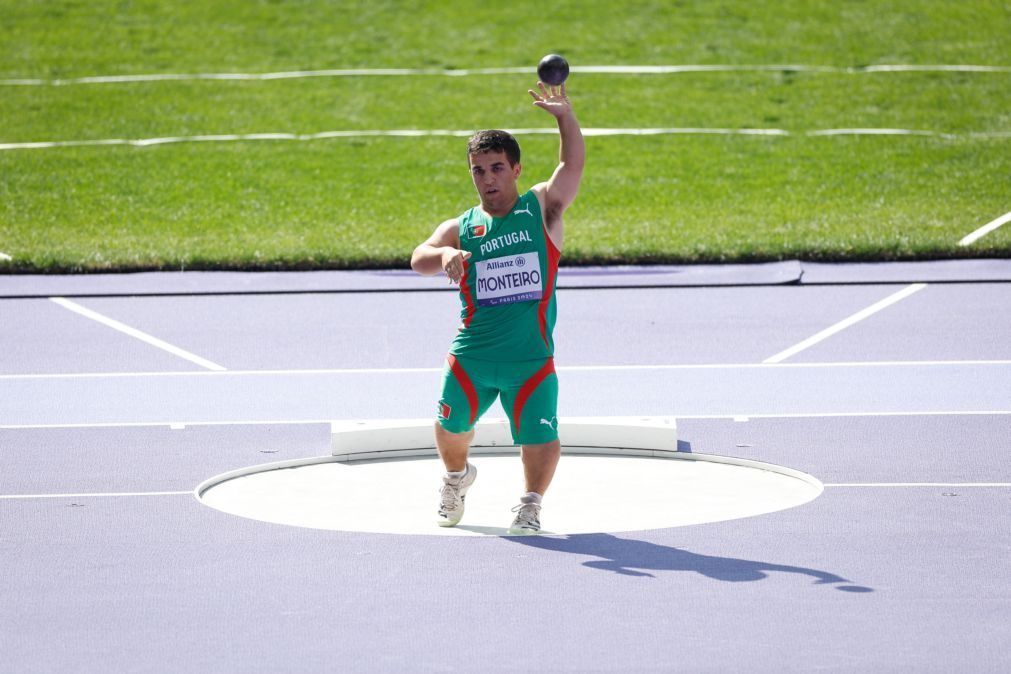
pixel 111 564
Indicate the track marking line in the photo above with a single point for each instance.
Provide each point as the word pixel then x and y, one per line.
pixel 10 497
pixel 227 373
pixel 523 70
pixel 985 229
pixel 135 333
pixel 832 415
pixel 845 323
pixel 919 484
pixel 565 368
pixel 329 420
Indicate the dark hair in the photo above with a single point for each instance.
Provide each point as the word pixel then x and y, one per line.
pixel 494 140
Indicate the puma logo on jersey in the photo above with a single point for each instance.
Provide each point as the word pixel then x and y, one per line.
pixel 524 210
pixel 553 424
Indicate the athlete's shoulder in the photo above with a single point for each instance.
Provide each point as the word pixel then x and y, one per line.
pixel 538 193
pixel 528 204
pixel 446 234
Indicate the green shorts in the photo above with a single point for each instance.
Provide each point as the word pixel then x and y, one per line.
pixel 528 390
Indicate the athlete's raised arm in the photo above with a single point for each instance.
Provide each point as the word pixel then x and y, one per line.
pixel 441 252
pixel 561 189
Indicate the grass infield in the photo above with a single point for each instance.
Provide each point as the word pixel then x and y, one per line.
pixel 367 201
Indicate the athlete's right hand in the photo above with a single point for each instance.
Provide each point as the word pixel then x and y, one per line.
pixel 454 263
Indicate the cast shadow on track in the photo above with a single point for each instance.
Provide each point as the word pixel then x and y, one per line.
pixel 627 556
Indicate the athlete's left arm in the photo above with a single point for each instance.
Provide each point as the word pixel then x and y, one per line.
pixel 560 191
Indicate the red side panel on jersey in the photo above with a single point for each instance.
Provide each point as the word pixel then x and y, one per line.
pixel 554 255
pixel 465 293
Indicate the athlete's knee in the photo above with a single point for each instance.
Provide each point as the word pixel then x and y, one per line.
pixel 445 435
pixel 543 447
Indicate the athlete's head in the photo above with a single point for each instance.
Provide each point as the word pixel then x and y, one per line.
pixel 494 159
pixel 494 140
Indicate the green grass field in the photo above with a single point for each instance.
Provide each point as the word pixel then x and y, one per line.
pixel 367 201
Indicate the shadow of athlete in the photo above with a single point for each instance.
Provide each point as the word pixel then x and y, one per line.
pixel 626 556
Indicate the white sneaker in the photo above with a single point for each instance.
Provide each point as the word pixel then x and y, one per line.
pixel 453 492
pixel 528 518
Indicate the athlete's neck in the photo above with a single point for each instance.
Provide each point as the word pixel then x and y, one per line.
pixel 499 208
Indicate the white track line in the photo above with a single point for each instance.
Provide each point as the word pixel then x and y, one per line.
pixel 181 425
pixel 843 415
pixel 133 332
pixel 564 368
pixel 524 70
pixel 463 133
pixel 919 484
pixel 861 485
pixel 98 495
pixel 985 229
pixel 890 485
pixel 845 323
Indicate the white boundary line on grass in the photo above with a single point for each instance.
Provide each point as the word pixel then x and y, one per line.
pixel 135 333
pixel 985 229
pixel 527 70
pixel 360 133
pixel 846 322
pixel 424 133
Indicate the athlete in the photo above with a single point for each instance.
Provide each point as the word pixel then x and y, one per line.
pixel 504 255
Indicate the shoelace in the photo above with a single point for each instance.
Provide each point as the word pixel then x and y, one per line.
pixel 450 497
pixel 527 513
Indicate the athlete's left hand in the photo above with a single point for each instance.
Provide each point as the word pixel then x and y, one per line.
pixel 552 99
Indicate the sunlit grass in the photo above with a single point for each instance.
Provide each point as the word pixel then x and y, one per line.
pixel 355 202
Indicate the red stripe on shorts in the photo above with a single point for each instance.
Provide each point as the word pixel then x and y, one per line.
pixel 465 383
pixel 528 388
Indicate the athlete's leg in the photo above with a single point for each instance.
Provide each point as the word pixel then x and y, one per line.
pixel 531 403
pixel 539 464
pixel 453 447
pixel 459 477
pixel 464 399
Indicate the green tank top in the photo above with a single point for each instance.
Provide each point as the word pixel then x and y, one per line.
pixel 508 289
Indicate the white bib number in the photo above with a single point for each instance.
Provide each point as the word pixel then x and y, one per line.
pixel 514 278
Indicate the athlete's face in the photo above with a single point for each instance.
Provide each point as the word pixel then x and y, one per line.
pixel 495 180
